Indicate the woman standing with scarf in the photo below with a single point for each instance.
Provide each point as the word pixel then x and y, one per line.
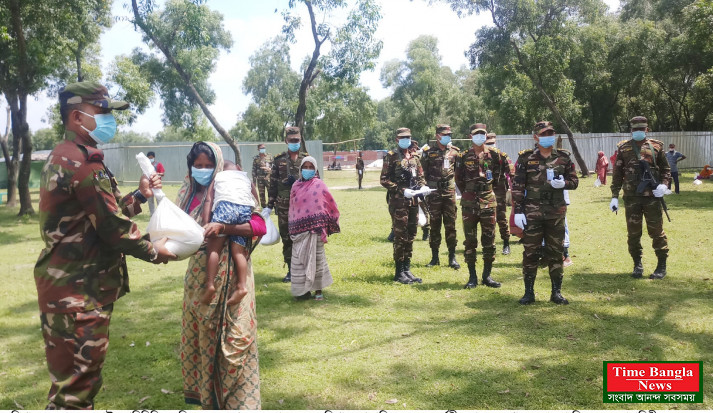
pixel 218 342
pixel 602 167
pixel 313 216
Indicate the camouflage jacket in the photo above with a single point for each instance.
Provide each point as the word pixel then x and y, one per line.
pixel 399 173
pixel 262 167
pixel 627 171
pixel 82 265
pixel 501 170
pixel 282 169
pixel 474 174
pixel 360 164
pixel 438 166
pixel 530 185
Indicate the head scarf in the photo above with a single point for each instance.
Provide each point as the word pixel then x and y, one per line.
pixel 188 190
pixel 706 172
pixel 308 159
pixel 312 207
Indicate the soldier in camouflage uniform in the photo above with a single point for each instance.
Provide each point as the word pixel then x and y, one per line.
pixel 541 176
pixel 360 168
pixel 437 163
pixel 262 164
pixel 402 171
pixel 474 175
pixel 645 203
pixel 501 178
pixel 285 171
pixel 82 269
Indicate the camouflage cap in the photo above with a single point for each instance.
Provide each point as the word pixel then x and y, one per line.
pixel 403 133
pixel 639 122
pixel 292 132
pixel 93 93
pixel 443 128
pixel 542 126
pixel 478 127
pixel 490 138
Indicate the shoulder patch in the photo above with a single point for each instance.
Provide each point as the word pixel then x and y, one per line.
pixel 622 142
pixel 525 151
pixel 390 153
pixel 565 151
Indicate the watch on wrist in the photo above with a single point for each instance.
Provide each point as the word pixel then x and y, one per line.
pixel 138 195
pixel 154 254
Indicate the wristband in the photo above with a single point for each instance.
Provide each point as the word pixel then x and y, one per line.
pixel 138 195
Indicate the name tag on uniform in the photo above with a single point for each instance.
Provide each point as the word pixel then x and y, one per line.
pixel 433 154
pixel 533 162
pixel 470 163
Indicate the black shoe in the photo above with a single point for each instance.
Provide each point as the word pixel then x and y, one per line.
pixel 303 297
pixel 487 267
pixel 472 276
pixel 425 234
pixel 391 236
pixel 288 277
pixel 506 247
pixel 660 270
pixel 556 296
pixel 452 260
pixel 529 296
pixel 434 258
pixel 638 269
pixel 409 274
pixel 400 276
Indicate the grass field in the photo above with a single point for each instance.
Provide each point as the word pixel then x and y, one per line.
pixel 373 344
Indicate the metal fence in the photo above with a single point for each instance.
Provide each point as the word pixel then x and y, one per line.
pixel 696 146
pixel 121 157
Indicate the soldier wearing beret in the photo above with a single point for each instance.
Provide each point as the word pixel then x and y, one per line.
pixel 262 165
pixel 401 172
pixel 541 176
pixel 81 271
pixel 285 171
pixel 501 179
pixel 437 163
pixel 642 201
pixel 474 175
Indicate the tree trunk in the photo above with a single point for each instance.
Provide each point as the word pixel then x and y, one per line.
pixel 10 164
pixel 308 76
pixel 22 144
pixel 189 84
pixel 78 58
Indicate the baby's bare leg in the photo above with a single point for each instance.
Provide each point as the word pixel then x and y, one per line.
pixel 213 248
pixel 240 257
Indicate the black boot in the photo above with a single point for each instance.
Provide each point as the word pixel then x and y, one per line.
pixel 409 274
pixel 638 268
pixel 434 258
pixel 425 234
pixel 288 277
pixel 529 296
pixel 556 296
pixel 452 259
pixel 660 270
pixel 399 275
pixel 506 247
pixel 473 276
pixel 391 236
pixel 487 267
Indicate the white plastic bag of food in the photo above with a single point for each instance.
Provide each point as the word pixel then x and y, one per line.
pixel 421 217
pixel 697 182
pixel 597 183
pixel 272 236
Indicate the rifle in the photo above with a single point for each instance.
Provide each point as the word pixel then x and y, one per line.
pixel 649 181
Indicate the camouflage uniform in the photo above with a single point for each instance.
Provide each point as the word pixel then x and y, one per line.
pixel 360 170
pixel 82 269
pixel 397 174
pixel 438 172
pixel 501 173
pixel 640 206
pixel 262 165
pixel 544 208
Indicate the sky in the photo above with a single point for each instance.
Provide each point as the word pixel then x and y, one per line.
pixel 253 23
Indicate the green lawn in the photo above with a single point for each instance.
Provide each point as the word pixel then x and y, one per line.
pixel 373 344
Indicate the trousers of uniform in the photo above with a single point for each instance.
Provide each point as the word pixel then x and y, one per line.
pixel 282 206
pixel 262 186
pixel 360 176
pixel 404 220
pixel 472 216
pixel 75 348
pixel 638 208
pixel 501 213
pixel 548 228
pixel 442 208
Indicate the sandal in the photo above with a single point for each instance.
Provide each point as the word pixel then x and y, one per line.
pixel 319 297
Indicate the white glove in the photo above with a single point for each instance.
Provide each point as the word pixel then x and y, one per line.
pixel 520 221
pixel 408 193
pixel 267 211
pixel 614 204
pixel 660 190
pixel 557 183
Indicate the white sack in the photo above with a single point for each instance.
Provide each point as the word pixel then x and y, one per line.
pixel 272 236
pixel 597 183
pixel 421 217
pixel 184 234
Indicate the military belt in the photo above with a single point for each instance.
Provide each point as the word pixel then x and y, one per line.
pixel 545 195
pixel 439 184
pixel 478 187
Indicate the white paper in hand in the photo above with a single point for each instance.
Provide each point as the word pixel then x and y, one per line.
pixel 184 234
pixel 272 236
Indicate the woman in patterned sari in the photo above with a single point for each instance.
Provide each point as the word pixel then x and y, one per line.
pixel 218 342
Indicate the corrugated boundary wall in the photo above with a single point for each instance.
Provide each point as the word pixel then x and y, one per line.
pixel 121 158
pixel 697 146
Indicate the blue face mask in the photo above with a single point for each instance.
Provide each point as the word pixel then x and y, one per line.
pixel 308 174
pixel 547 141
pixel 638 135
pixel 445 140
pixel 404 143
pixel 262 150
pixel 478 139
pixel 202 176
pixel 105 129
pixel 293 147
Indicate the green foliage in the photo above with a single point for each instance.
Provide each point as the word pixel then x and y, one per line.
pixel 340 111
pixel 132 86
pixel 200 132
pixel 46 138
pixel 131 137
